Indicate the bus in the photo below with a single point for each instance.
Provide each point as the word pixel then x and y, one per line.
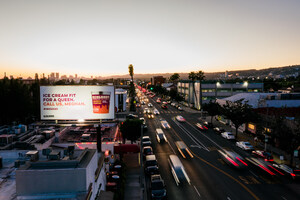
pixel 178 170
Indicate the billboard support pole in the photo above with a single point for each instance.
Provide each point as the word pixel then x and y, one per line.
pixel 99 137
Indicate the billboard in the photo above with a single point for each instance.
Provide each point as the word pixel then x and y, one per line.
pixel 77 102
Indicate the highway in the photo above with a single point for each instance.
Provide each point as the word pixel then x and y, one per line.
pixel 211 177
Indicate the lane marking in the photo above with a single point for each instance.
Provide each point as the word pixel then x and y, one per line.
pixel 193 138
pixel 253 173
pixel 205 135
pixel 283 198
pixel 197 191
pixel 228 175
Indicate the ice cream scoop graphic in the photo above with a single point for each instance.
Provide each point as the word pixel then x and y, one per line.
pixel 101 102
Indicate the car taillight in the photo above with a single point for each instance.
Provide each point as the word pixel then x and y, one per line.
pixel 267 170
pixel 205 127
pixel 234 163
pixel 241 161
pixel 293 175
pixel 276 170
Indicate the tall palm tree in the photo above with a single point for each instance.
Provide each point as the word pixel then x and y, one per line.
pixel 130 68
pixel 197 76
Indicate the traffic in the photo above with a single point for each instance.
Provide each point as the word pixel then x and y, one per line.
pixel 198 156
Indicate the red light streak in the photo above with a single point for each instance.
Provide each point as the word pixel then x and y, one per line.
pixel 242 161
pixel 276 170
pixel 266 170
pixel 234 163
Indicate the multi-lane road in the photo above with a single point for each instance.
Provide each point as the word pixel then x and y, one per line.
pixel 210 177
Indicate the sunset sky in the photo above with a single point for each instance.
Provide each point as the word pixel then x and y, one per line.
pixel 102 37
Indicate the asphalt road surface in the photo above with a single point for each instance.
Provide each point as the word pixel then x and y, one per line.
pixel 211 177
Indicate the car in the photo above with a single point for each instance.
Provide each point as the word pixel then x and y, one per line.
pixel 183 149
pixel 158 101
pixel 164 102
pixel 150 115
pixel 146 139
pixel 156 112
pixel 173 104
pixel 143 103
pixel 160 136
pixel 146 110
pixel 180 118
pixel 228 135
pixel 201 127
pixel 165 124
pixel 244 145
pixel 169 102
pixel 138 105
pixel 176 105
pixel 164 106
pixel 232 159
pixel 157 187
pixel 208 124
pixel 263 166
pixel 263 154
pixel 179 108
pixel 219 130
pixel 150 105
pixel 152 170
pixel 283 169
pixel 131 116
pixel 143 120
pixel 146 143
pixel 147 150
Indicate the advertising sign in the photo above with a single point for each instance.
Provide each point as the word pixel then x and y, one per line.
pixel 77 102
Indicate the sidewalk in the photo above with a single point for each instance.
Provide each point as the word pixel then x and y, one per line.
pixel 133 190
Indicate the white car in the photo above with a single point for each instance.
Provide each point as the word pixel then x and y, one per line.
pixel 172 104
pixel 180 118
pixel 179 108
pixel 228 135
pixel 165 124
pixel 244 145
pixel 146 110
pixel 150 105
pixel 155 112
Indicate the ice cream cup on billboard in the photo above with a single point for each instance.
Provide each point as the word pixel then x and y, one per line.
pixel 101 102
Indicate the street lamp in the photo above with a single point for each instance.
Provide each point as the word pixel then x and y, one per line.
pixel 246 85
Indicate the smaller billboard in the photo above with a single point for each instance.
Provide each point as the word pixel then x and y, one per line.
pixel 77 102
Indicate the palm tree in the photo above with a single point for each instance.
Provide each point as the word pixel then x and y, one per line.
pixel 130 68
pixel 194 76
pixel 174 78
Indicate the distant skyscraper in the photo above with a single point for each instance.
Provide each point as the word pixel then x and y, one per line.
pixel 226 74
pixel 76 76
pixel 57 76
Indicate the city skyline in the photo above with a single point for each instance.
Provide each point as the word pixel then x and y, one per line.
pixel 101 38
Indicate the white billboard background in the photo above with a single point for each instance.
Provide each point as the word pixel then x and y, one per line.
pixel 75 102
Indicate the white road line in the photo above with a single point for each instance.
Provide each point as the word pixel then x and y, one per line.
pixel 197 191
pixel 283 198
pixel 205 136
pixel 253 174
pixel 191 136
pixel 228 198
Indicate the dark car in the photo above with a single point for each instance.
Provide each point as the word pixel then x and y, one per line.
pixel 147 150
pixel 131 116
pixel 219 130
pixel 283 169
pixel 150 170
pixel 158 189
pixel 208 124
pixel 263 154
pixel 164 106
pixel 233 159
pixel 201 126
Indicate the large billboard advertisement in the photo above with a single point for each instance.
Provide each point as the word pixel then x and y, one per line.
pixel 77 102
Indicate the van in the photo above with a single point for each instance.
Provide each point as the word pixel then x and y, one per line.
pixel 178 170
pixel 160 136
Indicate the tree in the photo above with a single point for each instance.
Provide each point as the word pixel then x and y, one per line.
pixel 238 112
pixel 174 78
pixel 131 129
pixel 212 108
pixel 197 76
pixel 130 69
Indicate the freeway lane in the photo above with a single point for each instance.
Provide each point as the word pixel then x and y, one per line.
pixel 218 179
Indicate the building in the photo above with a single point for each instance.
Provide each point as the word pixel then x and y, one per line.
pixel 158 80
pixel 120 100
pixel 81 177
pixel 215 90
pixel 268 105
